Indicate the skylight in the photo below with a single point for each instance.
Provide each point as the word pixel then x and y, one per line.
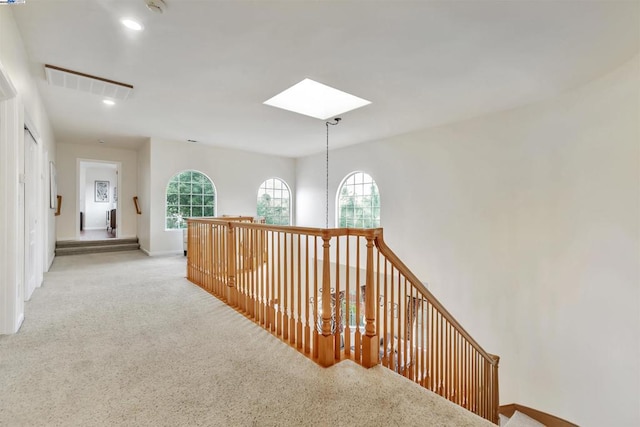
pixel 316 100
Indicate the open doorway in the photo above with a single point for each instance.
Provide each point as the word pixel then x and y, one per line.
pixel 98 216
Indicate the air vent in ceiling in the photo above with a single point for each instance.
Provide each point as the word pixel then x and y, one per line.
pixel 57 76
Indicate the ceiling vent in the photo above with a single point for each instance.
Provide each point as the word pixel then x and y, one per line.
pixel 57 76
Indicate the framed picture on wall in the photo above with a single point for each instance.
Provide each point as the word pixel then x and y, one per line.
pixel 102 191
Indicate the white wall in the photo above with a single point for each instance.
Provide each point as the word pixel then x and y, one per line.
pixel 526 226
pixel 69 156
pixel 15 65
pixel 237 175
pixel 95 212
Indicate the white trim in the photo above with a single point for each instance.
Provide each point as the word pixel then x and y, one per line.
pixel 163 253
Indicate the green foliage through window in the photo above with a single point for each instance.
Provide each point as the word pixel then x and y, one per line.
pixel 359 202
pixel 189 194
pixel 274 199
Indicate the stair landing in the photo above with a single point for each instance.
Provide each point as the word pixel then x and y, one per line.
pixel 75 247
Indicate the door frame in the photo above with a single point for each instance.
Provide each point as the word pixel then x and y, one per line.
pixel 118 167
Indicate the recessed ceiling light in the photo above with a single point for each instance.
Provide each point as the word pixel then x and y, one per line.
pixel 131 24
pixel 108 102
pixel 316 100
pixel 101 141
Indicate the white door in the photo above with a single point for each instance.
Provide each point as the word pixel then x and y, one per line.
pixel 30 214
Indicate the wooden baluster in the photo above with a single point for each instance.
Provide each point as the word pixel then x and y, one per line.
pixel 292 319
pixel 251 268
pixel 358 332
pixel 398 333
pixel 257 272
pixel 377 299
pixel 448 360
pixel 223 235
pixel 246 272
pixel 232 295
pixel 268 253
pixel 299 338
pixel 272 293
pixel 325 341
pixel 265 278
pixel 285 287
pixel 315 297
pixel 406 305
pixel 370 344
pixel 216 262
pixel 337 335
pixel 307 331
pixel 465 375
pixel 423 342
pixel 394 312
pixel 253 264
pixel 189 243
pixel 279 288
pixel 385 308
pixel 347 296
pixel 456 367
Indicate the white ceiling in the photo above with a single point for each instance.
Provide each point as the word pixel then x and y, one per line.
pixel 203 69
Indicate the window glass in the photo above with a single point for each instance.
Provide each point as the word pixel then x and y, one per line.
pixel 274 201
pixel 189 194
pixel 358 202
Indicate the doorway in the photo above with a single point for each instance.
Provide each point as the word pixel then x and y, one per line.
pixel 98 216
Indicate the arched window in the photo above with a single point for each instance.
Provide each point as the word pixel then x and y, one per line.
pixel 274 201
pixel 189 194
pixel 358 202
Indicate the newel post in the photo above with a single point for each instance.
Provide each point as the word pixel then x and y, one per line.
pixel 232 292
pixel 325 340
pixel 370 345
pixel 496 394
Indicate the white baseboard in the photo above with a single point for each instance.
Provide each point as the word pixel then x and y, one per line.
pixel 162 253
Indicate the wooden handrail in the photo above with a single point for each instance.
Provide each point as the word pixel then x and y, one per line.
pixel 397 262
pixel 320 232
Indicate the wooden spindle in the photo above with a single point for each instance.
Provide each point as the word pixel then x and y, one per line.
pixel 370 345
pixel 307 332
pixel 325 341
pixel 299 302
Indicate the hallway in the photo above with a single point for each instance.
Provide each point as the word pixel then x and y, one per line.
pixel 122 338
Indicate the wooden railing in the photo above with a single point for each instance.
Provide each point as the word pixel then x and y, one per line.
pixel 342 293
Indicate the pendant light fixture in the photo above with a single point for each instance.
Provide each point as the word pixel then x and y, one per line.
pixel 333 123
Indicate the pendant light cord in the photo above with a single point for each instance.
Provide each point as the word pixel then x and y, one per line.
pixel 326 218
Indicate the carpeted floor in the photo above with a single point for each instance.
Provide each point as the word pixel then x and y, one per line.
pixel 125 339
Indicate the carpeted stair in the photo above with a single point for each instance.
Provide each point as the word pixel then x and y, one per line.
pixel 75 247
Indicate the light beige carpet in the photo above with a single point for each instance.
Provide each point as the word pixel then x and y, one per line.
pixel 124 339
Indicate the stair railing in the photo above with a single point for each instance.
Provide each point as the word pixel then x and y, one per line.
pixel 341 293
